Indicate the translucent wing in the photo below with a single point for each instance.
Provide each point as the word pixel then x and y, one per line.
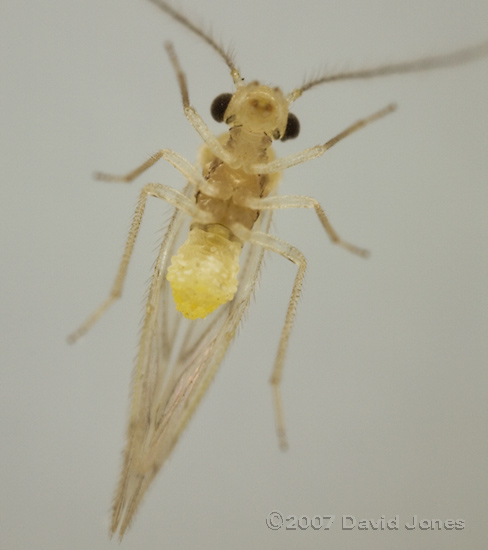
pixel 177 360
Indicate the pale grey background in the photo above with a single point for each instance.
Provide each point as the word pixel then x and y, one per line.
pixel 385 387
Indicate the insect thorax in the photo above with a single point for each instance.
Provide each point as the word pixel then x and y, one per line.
pixel 203 273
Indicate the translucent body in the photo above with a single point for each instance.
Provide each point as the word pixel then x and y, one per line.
pixel 229 202
pixel 203 274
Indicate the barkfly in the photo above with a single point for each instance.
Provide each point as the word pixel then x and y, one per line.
pixel 209 260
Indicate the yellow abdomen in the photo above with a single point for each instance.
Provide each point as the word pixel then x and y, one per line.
pixel 203 274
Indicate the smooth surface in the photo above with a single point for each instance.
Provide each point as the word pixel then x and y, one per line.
pixel 385 382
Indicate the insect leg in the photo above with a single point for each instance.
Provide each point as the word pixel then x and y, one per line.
pixel 279 165
pixel 183 166
pixel 179 162
pixel 193 117
pixel 170 195
pixel 272 243
pixel 296 201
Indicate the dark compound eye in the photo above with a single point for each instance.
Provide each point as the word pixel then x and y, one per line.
pixel 219 106
pixel 292 127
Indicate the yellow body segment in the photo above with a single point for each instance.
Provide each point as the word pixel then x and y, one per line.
pixel 203 274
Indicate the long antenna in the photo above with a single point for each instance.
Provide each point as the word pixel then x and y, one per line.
pixel 205 36
pixel 458 57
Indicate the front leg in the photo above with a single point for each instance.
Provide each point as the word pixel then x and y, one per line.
pixel 193 117
pixel 279 165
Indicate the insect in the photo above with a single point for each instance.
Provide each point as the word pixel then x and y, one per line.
pixel 208 263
